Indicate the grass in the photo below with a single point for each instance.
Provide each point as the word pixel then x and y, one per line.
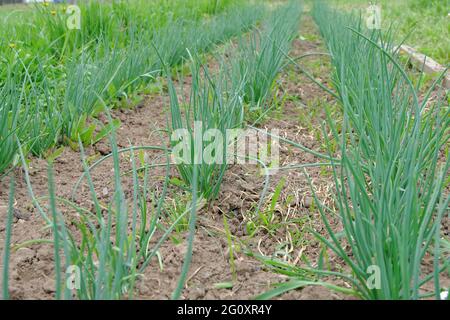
pixel 10 123
pixel 216 103
pixel 7 244
pixel 62 77
pixel 387 148
pixel 213 108
pixel 265 218
pixel 105 250
pixel 259 59
pixel 391 176
pixel 423 22
pixel 110 245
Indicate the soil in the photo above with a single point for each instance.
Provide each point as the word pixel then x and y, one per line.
pixel 31 267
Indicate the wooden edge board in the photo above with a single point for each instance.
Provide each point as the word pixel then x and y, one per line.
pixel 429 66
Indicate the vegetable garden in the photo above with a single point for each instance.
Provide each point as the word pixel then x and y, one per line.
pixel 128 164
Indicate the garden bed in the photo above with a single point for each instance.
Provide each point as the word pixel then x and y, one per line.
pixel 236 246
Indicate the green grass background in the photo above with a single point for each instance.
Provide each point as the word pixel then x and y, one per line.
pixel 425 22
